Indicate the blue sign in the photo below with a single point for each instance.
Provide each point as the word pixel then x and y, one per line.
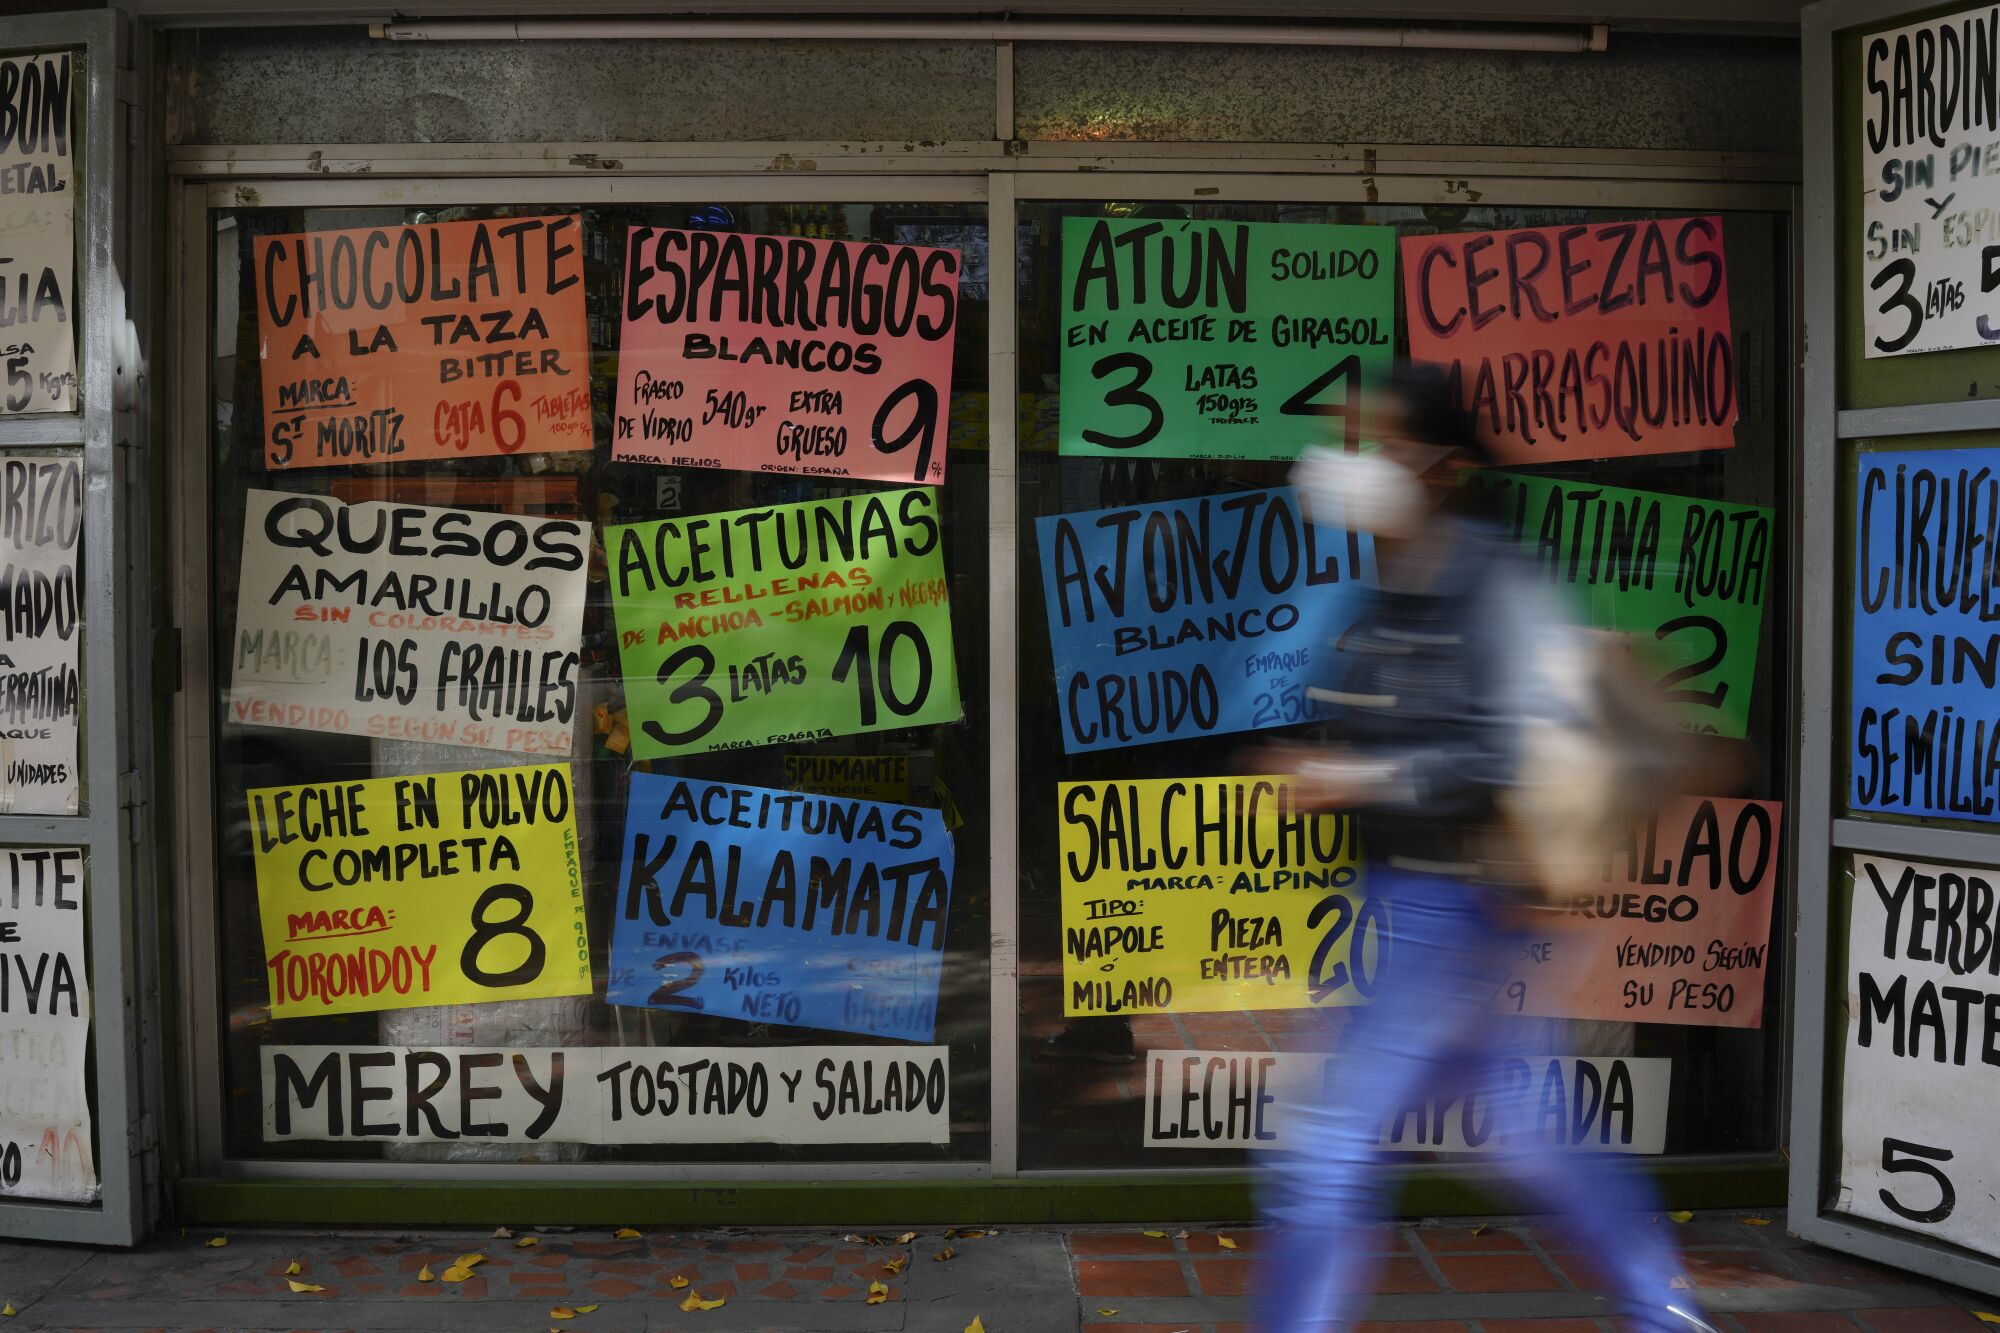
pixel 1195 618
pixel 781 907
pixel 1925 712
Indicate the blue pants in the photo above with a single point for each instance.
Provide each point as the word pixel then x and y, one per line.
pixel 1432 1026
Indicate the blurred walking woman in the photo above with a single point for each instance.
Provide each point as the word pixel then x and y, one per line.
pixel 1440 681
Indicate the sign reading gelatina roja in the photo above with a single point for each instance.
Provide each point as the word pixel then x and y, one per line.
pixel 409 622
pixel 423 341
pixel 38 138
pixel 785 354
pixel 1586 341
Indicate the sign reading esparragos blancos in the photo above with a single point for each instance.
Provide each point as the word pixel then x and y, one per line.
pixel 607 1094
pixel 1917 1150
pixel 1207 339
pixel 37 235
pixel 1248 1099
pixel 44 1027
pixel 1930 257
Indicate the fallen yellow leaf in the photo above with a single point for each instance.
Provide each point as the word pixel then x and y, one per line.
pixel 585 1309
pixel 297 1285
pixel 424 1274
pixel 561 1312
pixel 217 1242
pixel 1181 1234
pixel 895 1265
pixel 973 1235
pixel 946 1253
pixel 1225 1242
pixel 525 1242
pixel 877 1293
pixel 456 1274
pixel 950 1233
pixel 625 1233
pixel 1756 1221
pixel 9 1311
pixel 677 1282
pixel 695 1302
pixel 975 1326
pixel 1107 1309
pixel 715 1304
pixel 1980 1315
pixel 1682 1216
pixel 292 1268
pixel 906 1238
pixel 1479 1229
pixel 1156 1235
pixel 469 1260
pixel 502 1233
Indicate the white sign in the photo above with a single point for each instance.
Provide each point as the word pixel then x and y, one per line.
pixel 37 235
pixel 1930 167
pixel 406 622
pixel 44 1027
pixel 41 694
pixel 1242 1099
pixel 1922 1071
pixel 608 1094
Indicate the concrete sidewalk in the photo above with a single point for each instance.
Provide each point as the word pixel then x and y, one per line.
pixel 1508 1275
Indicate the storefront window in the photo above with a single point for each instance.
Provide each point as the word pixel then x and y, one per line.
pixel 648 998
pixel 1128 404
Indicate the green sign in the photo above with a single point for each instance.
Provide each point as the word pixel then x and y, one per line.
pixel 1187 339
pixel 1685 578
pixel 795 622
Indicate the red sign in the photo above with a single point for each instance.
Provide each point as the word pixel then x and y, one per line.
pixel 1587 341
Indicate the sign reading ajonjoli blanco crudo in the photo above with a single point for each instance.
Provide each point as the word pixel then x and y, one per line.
pixel 38 135
pixel 1929 95
pixel 409 622
pixel 41 634
pixel 44 1027
pixel 1207 339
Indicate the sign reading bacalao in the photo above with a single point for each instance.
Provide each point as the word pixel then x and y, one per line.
pixel 1929 260
pixel 44 1027
pixel 785 354
pixel 37 235
pixel 420 341
pixel 409 622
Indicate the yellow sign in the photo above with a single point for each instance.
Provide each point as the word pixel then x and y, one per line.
pixel 1198 895
pixel 439 888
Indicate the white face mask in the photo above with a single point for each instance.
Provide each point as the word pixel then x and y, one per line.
pixel 1361 492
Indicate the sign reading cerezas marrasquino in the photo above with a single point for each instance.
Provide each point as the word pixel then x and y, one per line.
pixel 41 694
pixel 1205 339
pixel 44 1027
pixel 1193 618
pixel 785 354
pixel 409 622
pixel 781 907
pixel 1927 99
pixel 442 888
pixel 427 340
pixel 1586 341
pixel 37 235
pixel 1202 895
pixel 1685 578
pixel 1678 931
pixel 1925 716
pixel 793 622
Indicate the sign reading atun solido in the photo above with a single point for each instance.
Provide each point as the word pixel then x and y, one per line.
pixel 430 340
pixel 1204 339
pixel 442 888
pixel 784 354
pixel 794 622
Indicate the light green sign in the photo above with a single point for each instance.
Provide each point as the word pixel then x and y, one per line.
pixel 1186 339
pixel 1685 578
pixel 791 623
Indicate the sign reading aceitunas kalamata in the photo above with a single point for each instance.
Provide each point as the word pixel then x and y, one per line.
pixel 785 354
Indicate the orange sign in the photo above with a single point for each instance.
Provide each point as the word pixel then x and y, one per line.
pixel 431 340
pixel 1587 341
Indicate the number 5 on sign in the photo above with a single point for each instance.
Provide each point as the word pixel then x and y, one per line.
pixel 439 888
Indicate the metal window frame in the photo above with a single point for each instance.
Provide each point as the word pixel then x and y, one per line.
pixel 1002 172
pixel 1824 836
pixel 108 433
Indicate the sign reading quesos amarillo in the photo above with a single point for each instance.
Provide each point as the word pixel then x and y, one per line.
pixel 785 354
pixel 1197 895
pixel 397 893
pixel 431 340
pixel 795 622
pixel 409 622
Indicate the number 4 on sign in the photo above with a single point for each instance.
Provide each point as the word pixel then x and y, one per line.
pixel 1345 373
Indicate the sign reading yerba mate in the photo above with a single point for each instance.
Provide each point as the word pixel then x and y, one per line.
pixel 1929 260
pixel 423 341
pixel 1205 339
pixel 1924 712
pixel 442 888
pixel 409 622
pixel 781 907
pixel 1684 578
pixel 1205 895
pixel 785 354
pixel 792 622
pixel 38 136
pixel 41 634
pixel 1194 618
pixel 1594 341
pixel 44 1027
pixel 1922 1054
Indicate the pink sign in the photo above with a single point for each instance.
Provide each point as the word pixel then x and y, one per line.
pixel 784 354
pixel 1679 931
